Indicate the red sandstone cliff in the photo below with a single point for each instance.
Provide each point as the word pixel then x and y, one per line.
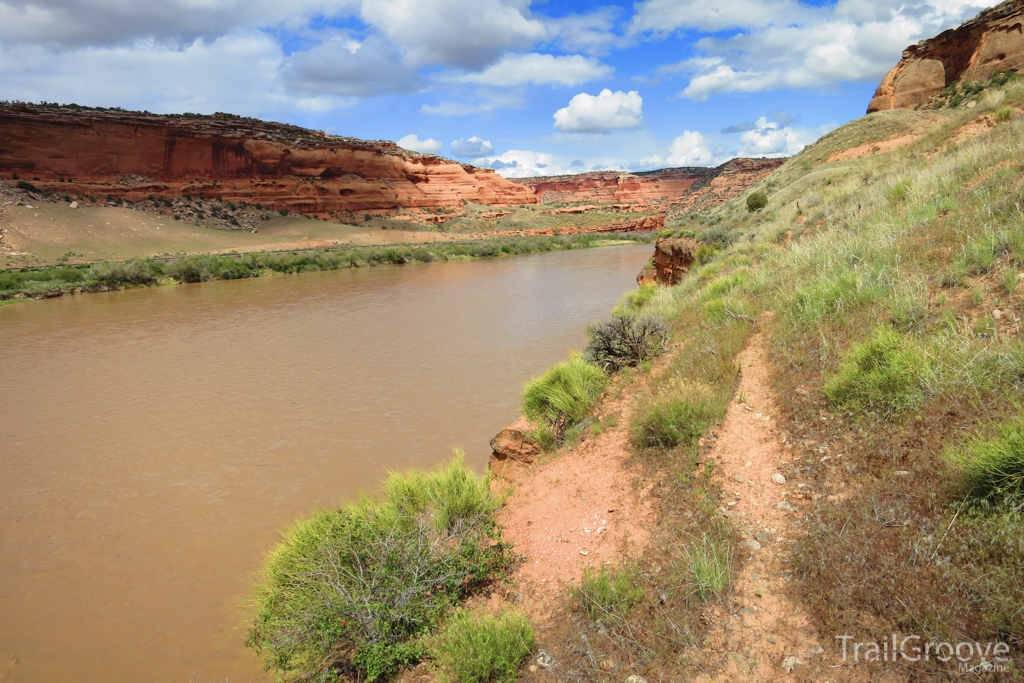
pixel 989 43
pixel 670 189
pixel 131 155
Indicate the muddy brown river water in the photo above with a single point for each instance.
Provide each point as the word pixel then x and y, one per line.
pixel 154 442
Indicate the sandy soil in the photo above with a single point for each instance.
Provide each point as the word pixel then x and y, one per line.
pixel 763 634
pixel 873 148
pixel 580 510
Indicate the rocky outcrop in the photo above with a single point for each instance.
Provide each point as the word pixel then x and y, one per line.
pixel 730 180
pixel 673 258
pixel 513 445
pixel 118 155
pixel 614 187
pixel 665 190
pixel 988 44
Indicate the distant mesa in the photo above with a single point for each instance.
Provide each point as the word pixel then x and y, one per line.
pixel 112 155
pixel 131 156
pixel 986 45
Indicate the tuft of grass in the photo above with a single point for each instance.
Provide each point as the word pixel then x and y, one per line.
pixel 475 647
pixel 710 566
pixel 605 595
pixel 883 374
pixel 676 418
pixel 994 467
pixel 1004 114
pixel 565 394
pixel 349 592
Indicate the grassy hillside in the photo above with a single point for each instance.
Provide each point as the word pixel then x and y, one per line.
pixel 894 276
pixel 884 274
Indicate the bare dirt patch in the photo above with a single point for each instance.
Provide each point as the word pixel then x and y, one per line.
pixel 763 634
pixel 583 509
pixel 872 148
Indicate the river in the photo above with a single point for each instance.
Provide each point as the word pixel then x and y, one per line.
pixel 156 441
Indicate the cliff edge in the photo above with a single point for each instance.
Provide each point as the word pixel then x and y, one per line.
pixel 986 45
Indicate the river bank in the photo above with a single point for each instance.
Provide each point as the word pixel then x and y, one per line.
pixel 59 280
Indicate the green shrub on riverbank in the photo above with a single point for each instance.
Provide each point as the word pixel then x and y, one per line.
pixel 351 591
pixel 475 647
pixel 565 394
pixel 56 280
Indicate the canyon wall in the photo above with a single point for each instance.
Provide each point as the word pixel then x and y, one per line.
pixel 988 44
pixel 111 154
pixel 670 189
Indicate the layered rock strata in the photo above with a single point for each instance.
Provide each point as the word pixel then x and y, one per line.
pixel 117 155
pixel 990 43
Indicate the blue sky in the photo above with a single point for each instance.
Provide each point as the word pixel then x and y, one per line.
pixel 524 87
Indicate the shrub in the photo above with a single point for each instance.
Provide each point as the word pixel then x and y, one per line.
pixel 603 595
pixel 757 201
pixel 994 468
pixel 883 374
pixel 479 648
pixel 134 272
pixel 351 591
pixel 565 394
pixel 625 341
pixel 677 418
pixel 1004 114
pixel 25 185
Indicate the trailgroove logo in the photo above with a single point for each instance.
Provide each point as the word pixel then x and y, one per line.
pixel 970 656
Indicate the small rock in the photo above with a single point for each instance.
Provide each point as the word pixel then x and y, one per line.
pixel 997 314
pixel 739 478
pixel 606 664
pixel 763 537
pixel 790 663
pixel 778 478
pixel 533 668
pixel 732 503
pixel 971 104
pixel 749 464
pixel 817 650
pixel 751 545
pixel 771 641
pixel 901 473
pixel 584 552
pixel 635 678
pixel 785 507
pixel 544 659
pixel 73 205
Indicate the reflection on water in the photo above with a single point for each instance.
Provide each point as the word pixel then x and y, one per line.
pixel 155 441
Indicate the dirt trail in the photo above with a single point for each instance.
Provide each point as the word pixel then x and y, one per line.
pixel 763 635
pixel 580 510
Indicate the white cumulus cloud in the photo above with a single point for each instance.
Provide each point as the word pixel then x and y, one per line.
pixel 770 139
pixel 775 44
pixel 689 149
pixel 428 146
pixel 472 147
pixel 519 163
pixel 464 33
pixel 600 113
pixel 539 69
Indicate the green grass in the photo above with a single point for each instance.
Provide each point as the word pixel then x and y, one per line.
pixel 352 591
pixel 884 374
pixel 604 594
pixel 676 418
pixel 710 567
pixel 474 647
pixel 565 394
pixel 993 468
pixel 206 267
